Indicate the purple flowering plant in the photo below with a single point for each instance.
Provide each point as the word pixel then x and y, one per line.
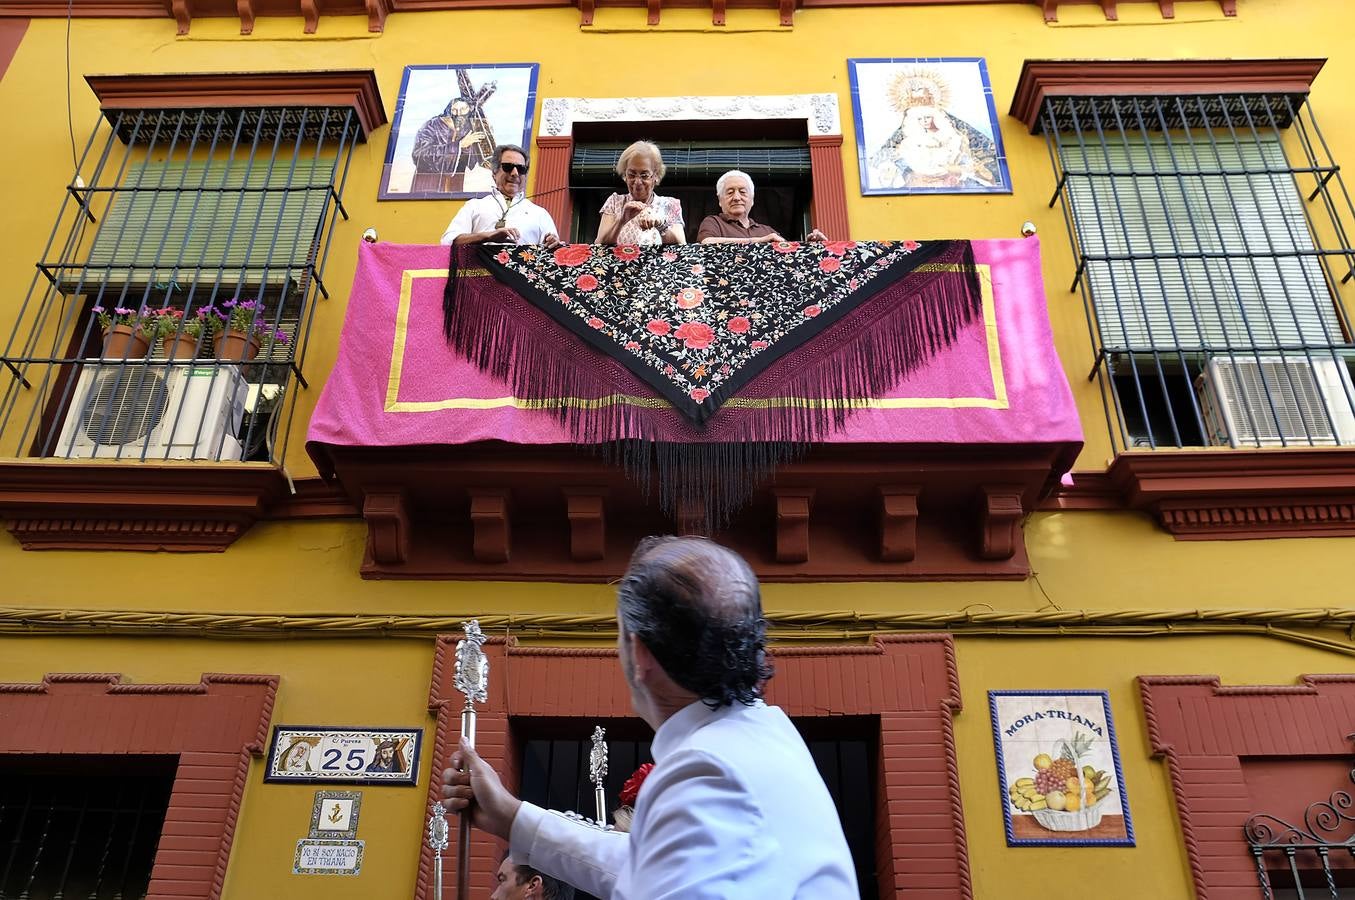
pixel 245 315
pixel 123 315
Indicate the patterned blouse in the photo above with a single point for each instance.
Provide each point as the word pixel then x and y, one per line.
pixel 630 232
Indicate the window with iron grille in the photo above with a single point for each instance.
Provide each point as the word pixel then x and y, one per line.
pixel 1211 244
pixel 187 225
pixel 81 826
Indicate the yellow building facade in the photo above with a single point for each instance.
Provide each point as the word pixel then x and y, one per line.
pixel 1133 570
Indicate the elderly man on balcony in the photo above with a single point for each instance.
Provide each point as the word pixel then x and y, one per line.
pixel 505 215
pixel 733 225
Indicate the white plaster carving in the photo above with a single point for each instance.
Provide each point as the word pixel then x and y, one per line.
pixel 819 111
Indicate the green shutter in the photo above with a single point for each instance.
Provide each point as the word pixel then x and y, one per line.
pixel 1201 305
pixel 166 222
pixel 699 163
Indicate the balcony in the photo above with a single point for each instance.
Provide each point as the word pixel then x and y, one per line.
pixel 462 473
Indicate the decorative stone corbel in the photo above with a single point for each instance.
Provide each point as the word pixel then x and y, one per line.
pixel 587 511
pixel 490 523
pixel 387 526
pixel 1001 526
pixel 792 523
pixel 898 522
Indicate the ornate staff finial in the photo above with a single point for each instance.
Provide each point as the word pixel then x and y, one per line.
pixel 437 828
pixel 472 667
pixel 597 772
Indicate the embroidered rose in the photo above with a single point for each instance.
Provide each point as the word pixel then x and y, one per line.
pixel 573 254
pixel 595 322
pixel 839 248
pixel 738 324
pixel 502 257
pixel 698 269
pixel 659 327
pixel 911 245
pixel 759 345
pixel 830 264
pixel 586 283
pixel 669 256
pixel 689 298
pixel 812 311
pixel 633 346
pixel 699 394
pixel 563 298
pixel 785 246
pixel 695 335
pixel 626 252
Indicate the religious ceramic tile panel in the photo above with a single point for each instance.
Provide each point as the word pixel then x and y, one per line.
pixel 1058 766
pixel 303 754
pixel 927 126
pixel 448 119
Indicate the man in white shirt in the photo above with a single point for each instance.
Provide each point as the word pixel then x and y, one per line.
pixel 504 216
pixel 734 807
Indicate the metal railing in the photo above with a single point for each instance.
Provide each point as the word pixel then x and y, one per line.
pixel 168 315
pixel 1212 250
pixel 1307 862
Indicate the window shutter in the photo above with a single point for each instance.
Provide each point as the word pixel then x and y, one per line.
pixel 1171 300
pixel 699 164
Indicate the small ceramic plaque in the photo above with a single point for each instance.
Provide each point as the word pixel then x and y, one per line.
pixel 335 814
pixel 327 857
pixel 307 755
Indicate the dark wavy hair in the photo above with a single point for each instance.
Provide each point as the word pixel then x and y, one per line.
pixel 697 607
pixel 551 888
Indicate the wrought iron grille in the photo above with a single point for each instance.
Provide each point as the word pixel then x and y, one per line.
pixel 75 835
pixel 204 233
pixel 1308 862
pixel 555 776
pixel 1210 234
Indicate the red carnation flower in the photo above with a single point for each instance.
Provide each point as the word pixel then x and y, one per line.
pixel 695 335
pixel 699 394
pixel 586 283
pixel 785 246
pixel 595 322
pixel 838 248
pixel 812 311
pixel 573 254
pixel 659 327
pixel 630 791
pixel 738 324
pixel 626 252
pixel 830 264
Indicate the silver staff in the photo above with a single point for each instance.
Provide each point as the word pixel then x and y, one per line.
pixel 597 772
pixel 471 679
pixel 437 841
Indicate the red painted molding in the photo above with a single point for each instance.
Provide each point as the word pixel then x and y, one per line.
pixel 355 88
pixel 11 36
pixel 1242 494
pixel 1203 730
pixel 830 188
pixel 909 682
pixel 49 505
pixel 1041 78
pixel 214 727
pixel 184 11
pixel 553 158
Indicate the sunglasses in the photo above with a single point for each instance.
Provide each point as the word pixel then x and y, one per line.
pixel 520 168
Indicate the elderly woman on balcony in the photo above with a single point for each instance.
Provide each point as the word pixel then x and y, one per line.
pixel 640 216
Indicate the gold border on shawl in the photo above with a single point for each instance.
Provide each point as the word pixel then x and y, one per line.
pixel 394 404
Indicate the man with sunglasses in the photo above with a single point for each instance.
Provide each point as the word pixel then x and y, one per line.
pixel 504 216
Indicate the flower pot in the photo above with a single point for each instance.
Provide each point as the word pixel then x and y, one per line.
pixel 125 342
pixel 237 345
pixel 184 346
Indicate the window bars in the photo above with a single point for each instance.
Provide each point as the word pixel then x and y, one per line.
pixel 168 315
pixel 1211 252
pixel 1309 861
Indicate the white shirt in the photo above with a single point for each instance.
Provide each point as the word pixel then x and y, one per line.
pixel 734 808
pixel 532 222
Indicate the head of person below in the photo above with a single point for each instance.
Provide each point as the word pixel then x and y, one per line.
pixel 733 224
pixel 515 882
pixel 734 806
pixel 505 215
pixel 640 216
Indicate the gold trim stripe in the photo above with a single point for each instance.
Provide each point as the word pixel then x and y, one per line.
pixel 394 404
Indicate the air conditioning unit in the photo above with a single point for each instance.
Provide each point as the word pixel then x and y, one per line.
pixel 1271 401
pixel 161 412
